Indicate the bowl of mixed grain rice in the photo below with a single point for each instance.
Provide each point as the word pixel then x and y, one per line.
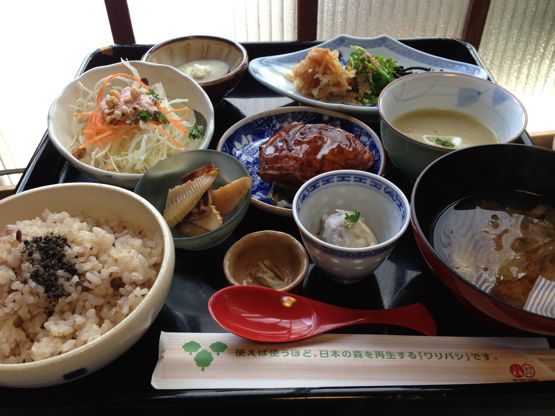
pixel 84 270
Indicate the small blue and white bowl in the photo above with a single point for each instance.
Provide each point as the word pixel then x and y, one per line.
pixel 382 205
pixel 244 138
pixel 482 100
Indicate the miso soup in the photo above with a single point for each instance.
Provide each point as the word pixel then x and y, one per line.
pixel 501 242
pixel 444 128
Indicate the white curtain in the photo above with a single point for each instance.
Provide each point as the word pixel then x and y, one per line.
pixel 397 18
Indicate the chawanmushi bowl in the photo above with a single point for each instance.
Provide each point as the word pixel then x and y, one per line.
pixel 482 100
pixel 480 170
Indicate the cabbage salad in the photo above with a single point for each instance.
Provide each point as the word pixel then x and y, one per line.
pixel 125 125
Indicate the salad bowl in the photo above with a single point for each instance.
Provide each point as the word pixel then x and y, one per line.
pixel 62 129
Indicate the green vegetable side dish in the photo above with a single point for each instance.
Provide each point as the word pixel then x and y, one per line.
pixel 351 218
pixel 372 74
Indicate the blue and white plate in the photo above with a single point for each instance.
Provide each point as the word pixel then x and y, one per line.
pixel 244 138
pixel 272 70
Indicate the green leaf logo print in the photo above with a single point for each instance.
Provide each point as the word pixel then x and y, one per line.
pixel 191 347
pixel 204 358
pixel 218 347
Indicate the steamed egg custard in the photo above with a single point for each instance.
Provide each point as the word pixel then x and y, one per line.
pixel 444 128
pixel 500 242
pixel 205 70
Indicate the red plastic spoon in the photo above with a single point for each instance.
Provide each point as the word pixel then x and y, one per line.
pixel 267 315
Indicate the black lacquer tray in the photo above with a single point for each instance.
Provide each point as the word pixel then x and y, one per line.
pixel 124 385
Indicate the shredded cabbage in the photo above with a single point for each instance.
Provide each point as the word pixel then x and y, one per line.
pixel 144 145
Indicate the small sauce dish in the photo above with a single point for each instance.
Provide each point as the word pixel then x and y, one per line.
pixel 267 258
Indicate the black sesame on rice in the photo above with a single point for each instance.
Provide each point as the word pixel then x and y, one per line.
pixel 47 255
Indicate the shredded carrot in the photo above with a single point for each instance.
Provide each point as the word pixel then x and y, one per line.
pixel 179 126
pixel 165 133
pixel 98 132
pixel 175 110
pixel 185 110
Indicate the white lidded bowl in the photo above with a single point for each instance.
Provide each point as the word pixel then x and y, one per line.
pixel 95 201
pixel 382 205
pixel 483 100
pixel 176 85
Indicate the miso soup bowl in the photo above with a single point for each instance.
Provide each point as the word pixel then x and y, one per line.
pixel 382 205
pixel 474 171
pixel 486 102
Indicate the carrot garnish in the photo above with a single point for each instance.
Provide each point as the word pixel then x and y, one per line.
pixel 175 110
pixel 100 130
pixel 165 133
pixel 179 126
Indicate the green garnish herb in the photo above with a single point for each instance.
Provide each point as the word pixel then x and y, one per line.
pixel 153 92
pixel 443 142
pixel 144 115
pixel 159 117
pixel 196 132
pixel 351 218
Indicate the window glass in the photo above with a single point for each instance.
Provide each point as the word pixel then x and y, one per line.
pixel 44 43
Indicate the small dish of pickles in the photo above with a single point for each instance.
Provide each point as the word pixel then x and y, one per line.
pixel 267 258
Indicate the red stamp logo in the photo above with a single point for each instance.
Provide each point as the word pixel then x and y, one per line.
pixel 529 370
pixel 524 370
pixel 517 371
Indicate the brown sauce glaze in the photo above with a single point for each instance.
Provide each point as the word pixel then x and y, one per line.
pixel 298 152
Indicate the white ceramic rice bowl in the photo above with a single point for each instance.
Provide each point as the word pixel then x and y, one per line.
pixel 96 200
pixel 176 85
